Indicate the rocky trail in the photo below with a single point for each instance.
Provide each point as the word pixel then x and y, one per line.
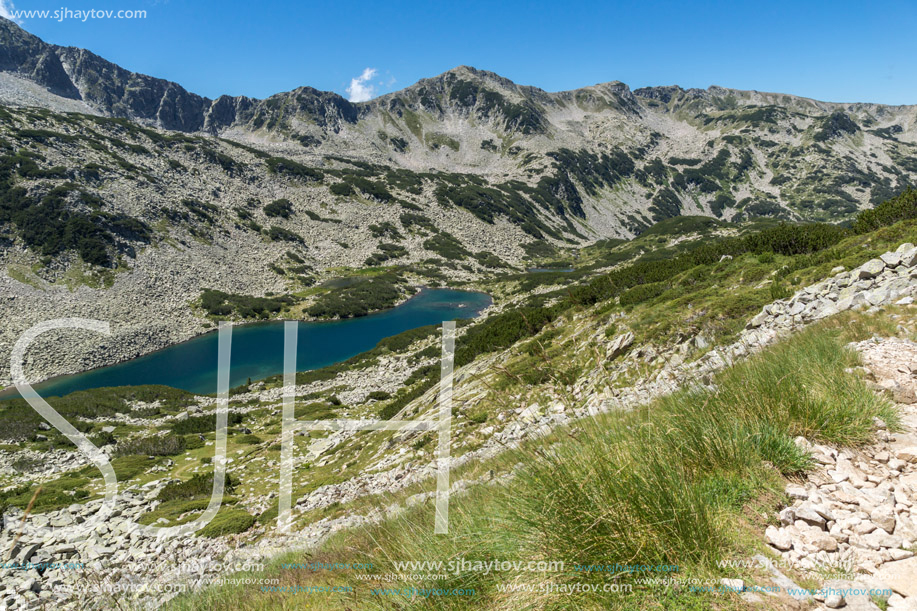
pixel 855 515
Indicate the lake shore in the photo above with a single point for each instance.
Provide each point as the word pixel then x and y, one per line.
pixel 66 381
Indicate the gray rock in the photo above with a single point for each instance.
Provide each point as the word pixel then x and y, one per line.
pixel 810 515
pixel 870 269
pixel 891 259
pixel 909 257
pixel 620 344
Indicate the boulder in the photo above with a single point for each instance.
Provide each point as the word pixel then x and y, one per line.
pixel 810 515
pixel 870 269
pixel 884 518
pixel 758 320
pixel 900 575
pixel 909 257
pixel 891 259
pixel 620 344
pixel 778 538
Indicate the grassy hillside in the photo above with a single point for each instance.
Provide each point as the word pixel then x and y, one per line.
pixel 682 482
pixel 685 480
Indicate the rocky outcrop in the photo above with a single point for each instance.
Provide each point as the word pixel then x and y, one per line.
pixel 891 278
pixel 79 74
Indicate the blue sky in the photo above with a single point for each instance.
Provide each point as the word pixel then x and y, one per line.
pixel 836 51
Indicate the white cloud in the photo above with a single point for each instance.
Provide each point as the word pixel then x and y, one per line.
pixel 6 10
pixel 360 89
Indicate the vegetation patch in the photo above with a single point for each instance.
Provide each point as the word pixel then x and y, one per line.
pixel 361 296
pixel 282 208
pixel 292 169
pixel 218 303
pixel 158 445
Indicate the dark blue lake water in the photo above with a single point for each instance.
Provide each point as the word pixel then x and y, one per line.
pixel 257 349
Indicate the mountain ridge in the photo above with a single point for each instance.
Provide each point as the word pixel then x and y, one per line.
pixel 74 73
pixel 446 180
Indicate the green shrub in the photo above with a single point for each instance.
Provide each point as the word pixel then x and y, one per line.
pixel 50 225
pixel 128 467
pixel 386 253
pixel 643 293
pixel 193 442
pixel 158 445
pixel 247 440
pixel 359 297
pixel 53 495
pixel 279 208
pixel 341 188
pixel 288 167
pixel 899 208
pixel 218 303
pixel 228 522
pixel 203 424
pixel 447 246
pixel 200 485
pixel 385 230
pixel 103 438
pixel 19 421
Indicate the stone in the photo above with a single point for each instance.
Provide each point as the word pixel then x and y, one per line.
pixel 758 320
pixel 899 554
pixel 778 538
pixel 908 454
pixel 808 514
pixel 620 344
pixel 891 259
pixel 877 297
pixel 870 269
pixel 813 537
pixel 880 538
pixel 884 518
pixel 909 257
pixel 835 601
pixel 900 575
pixel 30 585
pixel 851 302
pixel 27 552
pixel 781 580
pixel 530 414
pixel 787 516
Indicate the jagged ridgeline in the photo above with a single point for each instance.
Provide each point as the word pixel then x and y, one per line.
pixel 567 167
